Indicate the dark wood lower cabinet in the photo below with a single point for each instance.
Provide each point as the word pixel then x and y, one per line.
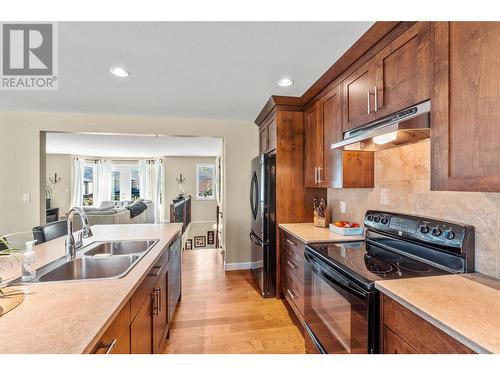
pixel 404 332
pixel 141 330
pixel 143 324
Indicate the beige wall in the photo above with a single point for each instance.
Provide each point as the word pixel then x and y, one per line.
pixel 201 210
pixel 20 158
pixel 61 195
pixel 402 184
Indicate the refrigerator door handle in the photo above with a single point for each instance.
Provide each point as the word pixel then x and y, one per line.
pixel 255 239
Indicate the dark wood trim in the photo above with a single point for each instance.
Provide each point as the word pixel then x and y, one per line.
pixel 285 103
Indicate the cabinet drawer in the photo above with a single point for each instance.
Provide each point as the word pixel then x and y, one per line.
pixel 393 344
pixel 294 291
pixel 116 339
pixel 146 288
pixel 294 246
pixel 294 264
pixel 417 332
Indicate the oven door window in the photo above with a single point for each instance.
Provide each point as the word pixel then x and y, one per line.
pixel 338 318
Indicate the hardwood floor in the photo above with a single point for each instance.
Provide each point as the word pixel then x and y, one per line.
pixel 221 312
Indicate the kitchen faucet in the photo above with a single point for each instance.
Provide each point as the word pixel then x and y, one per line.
pixel 86 232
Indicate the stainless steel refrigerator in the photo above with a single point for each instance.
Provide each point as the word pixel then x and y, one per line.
pixel 263 228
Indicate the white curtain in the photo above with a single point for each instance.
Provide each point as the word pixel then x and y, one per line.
pixel 150 172
pixel 103 190
pixel 77 183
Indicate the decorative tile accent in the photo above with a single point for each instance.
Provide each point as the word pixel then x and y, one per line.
pixel 402 184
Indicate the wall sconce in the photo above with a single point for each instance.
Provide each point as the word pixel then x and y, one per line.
pixel 55 179
pixel 180 179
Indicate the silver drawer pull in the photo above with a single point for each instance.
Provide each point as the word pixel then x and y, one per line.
pixel 291 264
pixel 110 346
pixel 291 294
pixel 291 242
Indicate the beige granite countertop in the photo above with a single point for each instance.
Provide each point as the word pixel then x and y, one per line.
pixel 69 317
pixel 466 307
pixel 307 232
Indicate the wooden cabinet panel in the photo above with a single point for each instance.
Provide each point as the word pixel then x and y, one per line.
pixel 116 339
pixel 417 332
pixel 403 71
pixel 294 245
pixel 465 139
pixel 332 132
pixel 358 106
pixel 313 145
pixel 141 330
pixel 393 344
pixel 271 135
pixel 160 311
pixel 263 139
pixel 294 292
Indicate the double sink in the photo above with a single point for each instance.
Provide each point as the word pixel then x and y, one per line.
pixel 98 260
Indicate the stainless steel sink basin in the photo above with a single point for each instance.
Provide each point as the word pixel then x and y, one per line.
pixel 98 260
pixel 91 268
pixel 119 247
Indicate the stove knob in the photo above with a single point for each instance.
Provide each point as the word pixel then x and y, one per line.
pixel 436 231
pixel 449 234
pixel 376 219
pixel 369 218
pixel 384 220
pixel 424 229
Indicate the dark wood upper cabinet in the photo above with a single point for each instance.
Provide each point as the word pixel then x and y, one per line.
pixel 332 132
pixel 403 71
pixel 313 145
pixel 267 135
pixel 358 105
pixel 465 136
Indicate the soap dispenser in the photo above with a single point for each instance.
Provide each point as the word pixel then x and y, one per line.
pixel 28 262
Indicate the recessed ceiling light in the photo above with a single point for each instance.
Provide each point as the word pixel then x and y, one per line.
pixel 285 82
pixel 119 72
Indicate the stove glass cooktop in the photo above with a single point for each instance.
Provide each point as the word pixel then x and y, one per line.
pixel 370 263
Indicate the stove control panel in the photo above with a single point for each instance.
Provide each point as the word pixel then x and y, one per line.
pixel 449 235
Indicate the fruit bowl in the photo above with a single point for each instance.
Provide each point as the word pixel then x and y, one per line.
pixel 346 228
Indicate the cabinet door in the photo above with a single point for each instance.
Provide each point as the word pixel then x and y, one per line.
pixel 403 71
pixel 141 330
pixel 116 339
pixel 160 311
pixel 393 344
pixel 332 132
pixel 465 137
pixel 358 96
pixel 263 139
pixel 313 150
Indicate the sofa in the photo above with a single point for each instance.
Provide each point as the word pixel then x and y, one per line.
pixel 115 212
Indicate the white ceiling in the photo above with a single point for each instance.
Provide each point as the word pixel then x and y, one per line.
pixel 223 70
pixel 130 146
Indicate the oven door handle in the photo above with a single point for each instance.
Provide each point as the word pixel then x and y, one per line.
pixel 335 278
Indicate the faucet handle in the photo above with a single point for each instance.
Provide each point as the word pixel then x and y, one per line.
pixel 79 239
pixel 87 232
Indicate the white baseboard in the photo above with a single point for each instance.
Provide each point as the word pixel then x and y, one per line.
pixel 241 266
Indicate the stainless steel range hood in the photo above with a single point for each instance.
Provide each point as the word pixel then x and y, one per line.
pixel 407 126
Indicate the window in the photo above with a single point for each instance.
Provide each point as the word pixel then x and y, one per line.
pixel 125 182
pixel 88 185
pixel 205 179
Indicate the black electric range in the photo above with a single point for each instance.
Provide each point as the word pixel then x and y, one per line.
pixel 341 302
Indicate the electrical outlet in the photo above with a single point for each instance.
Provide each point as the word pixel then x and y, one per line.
pixel 342 207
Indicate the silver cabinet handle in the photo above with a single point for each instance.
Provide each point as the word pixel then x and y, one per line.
pixel 320 180
pixel 110 346
pixel 376 99
pixel 291 294
pixel 291 264
pixel 156 302
pixel 291 242
pixel 368 98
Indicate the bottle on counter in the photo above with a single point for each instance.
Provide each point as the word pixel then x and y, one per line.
pixel 28 261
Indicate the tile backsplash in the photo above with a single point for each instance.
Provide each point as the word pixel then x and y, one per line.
pixel 402 184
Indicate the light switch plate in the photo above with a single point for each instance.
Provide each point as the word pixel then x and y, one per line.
pixel 342 207
pixel 26 198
